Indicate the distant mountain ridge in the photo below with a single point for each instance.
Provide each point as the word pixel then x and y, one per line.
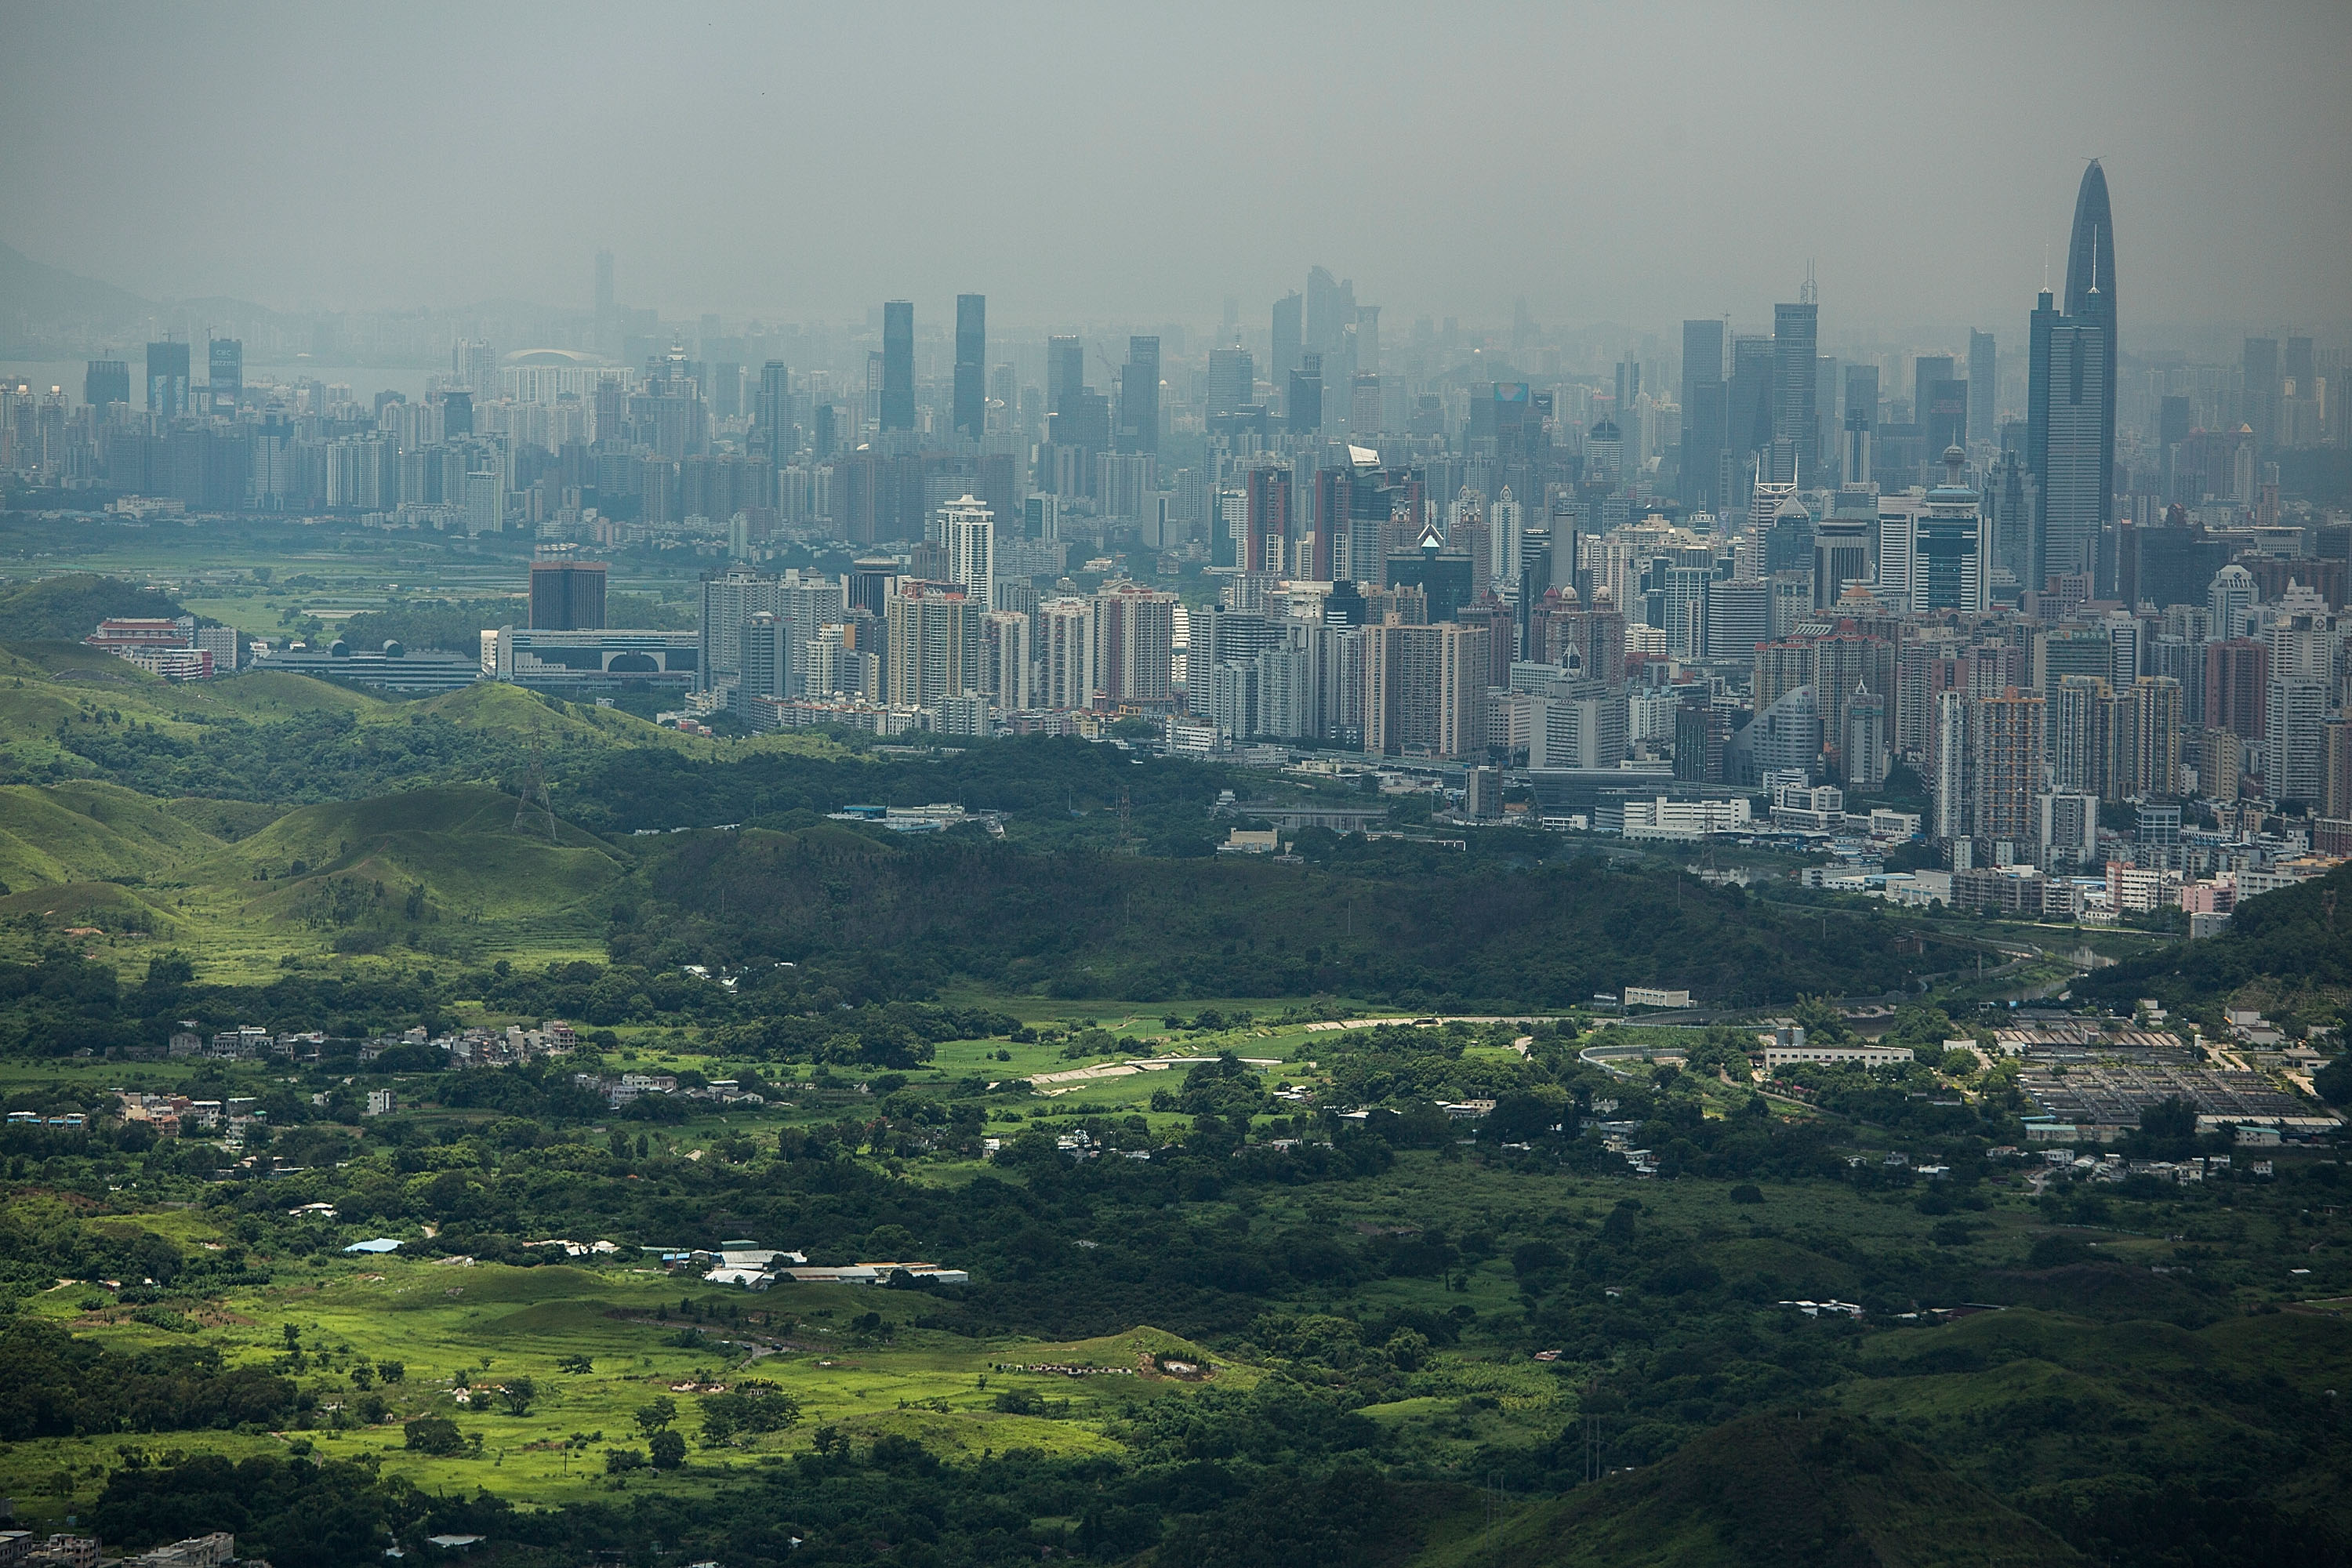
pixel 34 292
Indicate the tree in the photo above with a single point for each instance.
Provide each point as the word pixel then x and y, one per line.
pixel 2333 1081
pixel 435 1435
pixel 578 1365
pixel 2170 1118
pixel 667 1449
pixel 620 1461
pixel 517 1394
pixel 391 1370
pixel 655 1415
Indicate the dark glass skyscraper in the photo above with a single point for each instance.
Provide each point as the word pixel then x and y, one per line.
pixel 773 411
pixel 898 365
pixel 1796 418
pixel 971 366
pixel 106 380
pixel 2070 438
pixel 167 380
pixel 1983 384
pixel 1704 411
pixel 1066 371
pixel 225 359
pixel 1289 337
pixel 1138 397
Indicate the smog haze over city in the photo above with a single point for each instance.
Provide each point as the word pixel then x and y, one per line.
pixel 1606 162
pixel 1175 786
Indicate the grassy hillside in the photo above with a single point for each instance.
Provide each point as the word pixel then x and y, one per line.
pixel 1765 1491
pixel 241 887
pixel 88 831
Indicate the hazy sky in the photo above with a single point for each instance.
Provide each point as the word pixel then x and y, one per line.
pixel 1636 162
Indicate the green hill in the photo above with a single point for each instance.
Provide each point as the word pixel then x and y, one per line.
pixel 1804 1492
pixel 89 831
pixel 66 608
pixel 2288 952
pixel 457 844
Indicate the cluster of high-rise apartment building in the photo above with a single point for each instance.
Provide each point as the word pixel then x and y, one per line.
pixel 2039 580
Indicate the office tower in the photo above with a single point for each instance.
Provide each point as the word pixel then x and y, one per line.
pixel 1859 423
pixel 1750 398
pixel 971 366
pixel 458 415
pixel 1303 412
pixel 1933 552
pixel 1704 405
pixel 898 405
pixel 1425 690
pixel 1290 338
pixel 485 502
pixel 1944 417
pixel 1138 397
pixel 934 644
pixel 1738 618
pixel 1233 382
pixel 1984 373
pixel 1443 575
pixel 1330 309
pixel 1364 407
pixel 2232 594
pixel 771 412
pixel 1926 371
pixel 167 380
pixel 2262 383
pixel 1861 745
pixel 1843 554
pixel 106 380
pixel 2066 449
pixel 1701 733
pixel 225 359
pixel 567 595
pixel 1796 423
pixel 967 529
pixel 1506 543
pixel 2070 395
pixel 1008 660
pixel 1041 516
pixel 1066 371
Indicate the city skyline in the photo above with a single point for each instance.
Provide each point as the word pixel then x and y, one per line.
pixel 1207 189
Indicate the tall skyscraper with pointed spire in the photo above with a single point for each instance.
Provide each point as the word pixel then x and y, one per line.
pixel 2071 400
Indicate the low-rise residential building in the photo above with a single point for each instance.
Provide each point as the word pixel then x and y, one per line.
pixel 1779 1056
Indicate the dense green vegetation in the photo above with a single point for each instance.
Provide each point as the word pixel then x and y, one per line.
pixel 66 608
pixel 1242 1289
pixel 2281 951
